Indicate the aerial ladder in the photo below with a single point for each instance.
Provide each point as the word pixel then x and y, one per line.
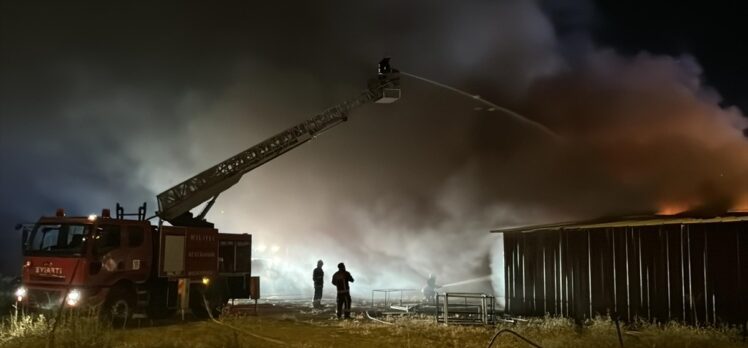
pixel 176 203
pixel 188 265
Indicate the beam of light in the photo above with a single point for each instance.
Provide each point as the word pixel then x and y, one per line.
pixel 537 125
pixel 469 281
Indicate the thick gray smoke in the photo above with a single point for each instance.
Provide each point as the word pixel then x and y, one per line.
pixel 398 192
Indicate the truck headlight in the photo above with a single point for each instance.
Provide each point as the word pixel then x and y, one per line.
pixel 21 293
pixel 74 296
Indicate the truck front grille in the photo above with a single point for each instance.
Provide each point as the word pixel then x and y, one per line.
pixel 45 299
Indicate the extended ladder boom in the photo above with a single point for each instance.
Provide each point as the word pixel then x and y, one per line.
pixel 175 203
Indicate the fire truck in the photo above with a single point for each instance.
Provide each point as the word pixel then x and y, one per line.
pixel 125 264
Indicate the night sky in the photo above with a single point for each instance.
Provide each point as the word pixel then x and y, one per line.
pixel 711 32
pixel 103 103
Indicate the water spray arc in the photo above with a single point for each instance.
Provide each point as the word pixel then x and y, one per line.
pixel 537 125
pixel 468 281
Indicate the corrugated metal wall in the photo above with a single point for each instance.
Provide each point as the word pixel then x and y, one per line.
pixel 693 273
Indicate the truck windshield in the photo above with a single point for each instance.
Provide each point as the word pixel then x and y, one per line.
pixel 57 239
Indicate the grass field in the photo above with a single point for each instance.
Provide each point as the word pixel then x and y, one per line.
pixel 302 328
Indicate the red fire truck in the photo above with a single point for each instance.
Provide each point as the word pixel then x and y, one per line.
pixel 130 266
pixel 126 265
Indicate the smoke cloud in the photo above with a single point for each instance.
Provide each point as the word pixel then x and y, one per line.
pixel 398 192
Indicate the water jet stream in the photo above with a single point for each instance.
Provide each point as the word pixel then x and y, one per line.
pixel 474 280
pixel 537 125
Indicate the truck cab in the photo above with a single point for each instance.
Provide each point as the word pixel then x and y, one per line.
pixel 128 266
pixel 83 257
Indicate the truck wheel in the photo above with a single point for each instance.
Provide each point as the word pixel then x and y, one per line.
pixel 119 306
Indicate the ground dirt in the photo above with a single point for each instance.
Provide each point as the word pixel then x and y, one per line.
pixel 279 325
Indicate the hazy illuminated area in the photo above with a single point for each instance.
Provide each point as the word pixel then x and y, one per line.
pixel 398 192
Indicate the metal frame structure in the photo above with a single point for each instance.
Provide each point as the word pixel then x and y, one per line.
pixel 387 293
pixel 471 308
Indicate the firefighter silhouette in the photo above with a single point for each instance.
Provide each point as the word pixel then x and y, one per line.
pixel 340 279
pixel 318 277
pixel 429 291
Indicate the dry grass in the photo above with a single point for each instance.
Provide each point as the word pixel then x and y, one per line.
pixel 72 329
pixel 601 332
pixel 299 329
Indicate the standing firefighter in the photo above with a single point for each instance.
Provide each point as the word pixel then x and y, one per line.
pixel 318 276
pixel 340 279
pixel 429 291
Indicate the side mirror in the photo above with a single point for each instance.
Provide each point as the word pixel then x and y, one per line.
pixel 24 238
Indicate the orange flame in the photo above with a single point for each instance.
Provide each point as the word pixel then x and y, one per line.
pixel 673 208
pixel 741 204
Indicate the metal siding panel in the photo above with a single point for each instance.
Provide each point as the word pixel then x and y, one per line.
pixel 512 262
pixel 721 263
pixel 608 271
pixel 696 247
pixel 581 280
pixel 550 292
pixel 522 278
pixel 596 276
pixel 741 247
pixel 531 258
pixel 659 285
pixel 555 292
pixel 634 275
pixel 675 275
pixel 565 274
pixel 692 273
pixel 619 272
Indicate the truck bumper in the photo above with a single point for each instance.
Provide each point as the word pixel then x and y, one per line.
pixel 49 298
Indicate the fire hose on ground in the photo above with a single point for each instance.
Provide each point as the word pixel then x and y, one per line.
pixel 515 334
pixel 377 320
pixel 210 314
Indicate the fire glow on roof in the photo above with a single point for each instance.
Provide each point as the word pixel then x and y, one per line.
pixel 625 222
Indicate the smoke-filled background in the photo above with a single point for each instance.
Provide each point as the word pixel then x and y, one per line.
pixel 118 102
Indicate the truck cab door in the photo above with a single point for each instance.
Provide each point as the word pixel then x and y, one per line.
pixel 107 255
pixel 137 243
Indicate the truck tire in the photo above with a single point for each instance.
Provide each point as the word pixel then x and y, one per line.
pixel 119 306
